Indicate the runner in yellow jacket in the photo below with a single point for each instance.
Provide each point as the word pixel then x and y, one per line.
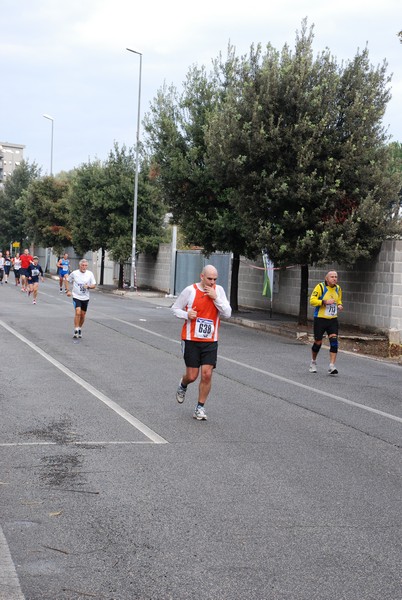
pixel 327 300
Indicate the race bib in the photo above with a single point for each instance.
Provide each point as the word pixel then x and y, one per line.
pixel 35 272
pixel 204 328
pixel 331 310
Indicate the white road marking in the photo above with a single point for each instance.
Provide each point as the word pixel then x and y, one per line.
pixel 89 443
pixel 311 389
pixel 9 584
pixel 45 294
pixel 278 377
pixel 263 372
pixel 164 337
pixel 149 433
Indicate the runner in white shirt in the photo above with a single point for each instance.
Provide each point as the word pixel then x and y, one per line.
pixel 1 268
pixel 17 268
pixel 82 281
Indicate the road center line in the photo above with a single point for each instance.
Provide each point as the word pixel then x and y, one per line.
pixel 149 433
pixel 311 389
pixel 278 377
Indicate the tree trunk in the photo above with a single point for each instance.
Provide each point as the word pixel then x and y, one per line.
pixel 234 286
pixel 303 295
pixel 121 276
pixel 102 269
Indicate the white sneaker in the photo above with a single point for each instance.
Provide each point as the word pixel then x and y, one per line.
pixel 200 413
pixel 332 370
pixel 181 394
pixel 313 367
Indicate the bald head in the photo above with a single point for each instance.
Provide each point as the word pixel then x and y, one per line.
pixel 331 278
pixel 209 275
pixel 210 269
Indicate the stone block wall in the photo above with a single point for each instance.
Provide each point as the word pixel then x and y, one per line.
pixel 372 289
pixel 154 272
pixel 251 281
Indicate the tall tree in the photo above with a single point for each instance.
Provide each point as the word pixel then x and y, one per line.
pixel 11 217
pixel 45 209
pixel 101 207
pixel 89 226
pixel 150 209
pixel 395 149
pixel 303 148
pixel 199 203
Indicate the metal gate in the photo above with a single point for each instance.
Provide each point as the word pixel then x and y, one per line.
pixel 189 264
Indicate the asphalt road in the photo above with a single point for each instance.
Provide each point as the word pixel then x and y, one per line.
pixel 111 490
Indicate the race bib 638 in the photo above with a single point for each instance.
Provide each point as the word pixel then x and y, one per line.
pixel 204 328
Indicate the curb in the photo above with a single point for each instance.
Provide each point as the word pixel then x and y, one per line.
pixel 267 327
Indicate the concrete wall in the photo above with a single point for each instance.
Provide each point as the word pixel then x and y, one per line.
pixel 155 272
pixel 372 289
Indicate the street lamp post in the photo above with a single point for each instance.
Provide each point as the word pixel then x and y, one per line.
pixel 51 143
pixel 133 280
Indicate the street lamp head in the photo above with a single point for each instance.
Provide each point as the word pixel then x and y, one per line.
pixel 135 51
pixel 49 117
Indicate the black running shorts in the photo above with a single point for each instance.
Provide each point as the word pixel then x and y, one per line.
pixel 196 354
pixel 328 326
pixel 82 304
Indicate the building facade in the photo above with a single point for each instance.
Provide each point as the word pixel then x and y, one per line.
pixel 11 156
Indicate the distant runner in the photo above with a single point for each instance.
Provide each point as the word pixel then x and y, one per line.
pixel 26 260
pixel 1 268
pixel 7 265
pixel 17 268
pixel 34 271
pixel 63 266
pixel 82 281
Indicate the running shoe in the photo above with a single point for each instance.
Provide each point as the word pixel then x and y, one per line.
pixel 76 335
pixel 61 291
pixel 79 333
pixel 34 302
pixel 200 413
pixel 181 394
pixel 313 367
pixel 332 370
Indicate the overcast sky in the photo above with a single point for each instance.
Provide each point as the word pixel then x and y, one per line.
pixel 69 60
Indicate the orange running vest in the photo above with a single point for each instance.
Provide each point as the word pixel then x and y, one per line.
pixel 205 327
